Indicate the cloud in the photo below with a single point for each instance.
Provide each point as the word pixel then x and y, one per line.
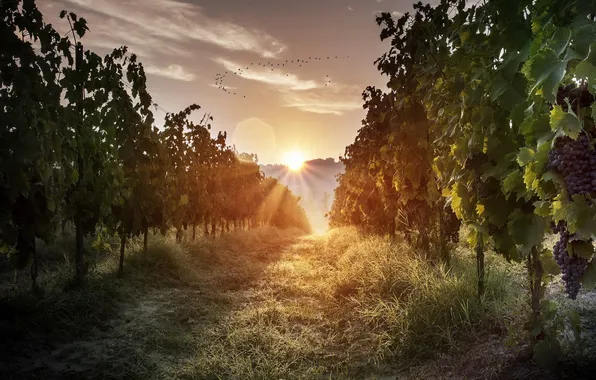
pixel 172 71
pixel 379 1
pixel 350 9
pixel 277 77
pixel 165 27
pixel 218 86
pixel 335 99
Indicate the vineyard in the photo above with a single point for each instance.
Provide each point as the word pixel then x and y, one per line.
pixel 80 145
pixel 468 196
pixel 488 122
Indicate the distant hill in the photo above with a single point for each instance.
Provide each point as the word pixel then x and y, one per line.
pixel 314 183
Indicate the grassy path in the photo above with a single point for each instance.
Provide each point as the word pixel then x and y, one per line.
pixel 273 305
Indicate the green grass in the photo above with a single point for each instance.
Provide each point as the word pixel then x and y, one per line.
pixel 262 304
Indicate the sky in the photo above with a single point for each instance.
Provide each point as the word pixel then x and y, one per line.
pixel 313 106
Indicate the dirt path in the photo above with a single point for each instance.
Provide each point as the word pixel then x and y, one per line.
pixel 269 316
pixel 160 332
pixel 134 334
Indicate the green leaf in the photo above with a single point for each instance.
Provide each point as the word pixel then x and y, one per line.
pixel 22 183
pixel 460 201
pixel 549 264
pixel 584 36
pixel 547 70
pixel 514 183
pixel 497 209
pixel 541 157
pixel 74 176
pixel 582 249
pixel 51 205
pixel 527 230
pixel 512 60
pixel 587 68
pixel 565 121
pixel 580 217
pixel 560 40
pixel 542 208
pixel 509 94
pixel 46 175
pixel 589 277
pixel 548 353
pixel 183 200
pixel 524 156
pixel 575 324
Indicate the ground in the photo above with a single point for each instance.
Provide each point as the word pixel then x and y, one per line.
pixel 273 305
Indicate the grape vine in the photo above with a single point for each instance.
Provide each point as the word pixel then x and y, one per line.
pixel 575 161
pixel 497 99
pixel 79 143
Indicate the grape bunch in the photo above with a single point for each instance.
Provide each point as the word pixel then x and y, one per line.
pixel 575 160
pixel 572 266
pixel 577 96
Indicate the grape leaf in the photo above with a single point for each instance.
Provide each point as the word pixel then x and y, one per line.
pixel 526 230
pixel 565 121
pixel 559 40
pixel 51 205
pixel 547 70
pixel 542 208
pixel 589 277
pixel 575 324
pixel 549 264
pixel 525 155
pixel 23 184
pixel 584 36
pixel 548 353
pixel 582 248
pixel 497 209
pixel 514 182
pixel 587 68
pixel 74 175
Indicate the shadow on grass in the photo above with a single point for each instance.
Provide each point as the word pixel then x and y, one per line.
pixel 137 326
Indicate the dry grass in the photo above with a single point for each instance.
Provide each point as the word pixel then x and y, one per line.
pixel 264 304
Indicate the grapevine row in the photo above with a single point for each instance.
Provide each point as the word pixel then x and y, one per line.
pixel 79 143
pixel 490 110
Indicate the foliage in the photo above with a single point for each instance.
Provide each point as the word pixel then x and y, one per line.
pixel 389 183
pixel 479 93
pixel 79 143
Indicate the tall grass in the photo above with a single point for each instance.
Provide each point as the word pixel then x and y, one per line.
pixel 266 304
pixel 406 308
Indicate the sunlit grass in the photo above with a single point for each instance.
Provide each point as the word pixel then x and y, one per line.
pixel 269 304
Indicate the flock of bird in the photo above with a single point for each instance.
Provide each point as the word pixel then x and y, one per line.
pixel 299 62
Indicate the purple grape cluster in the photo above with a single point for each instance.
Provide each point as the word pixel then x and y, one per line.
pixel 575 160
pixel 572 266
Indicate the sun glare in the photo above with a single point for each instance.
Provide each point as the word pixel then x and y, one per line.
pixel 294 160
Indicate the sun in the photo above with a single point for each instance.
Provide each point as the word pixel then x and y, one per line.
pixel 294 160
